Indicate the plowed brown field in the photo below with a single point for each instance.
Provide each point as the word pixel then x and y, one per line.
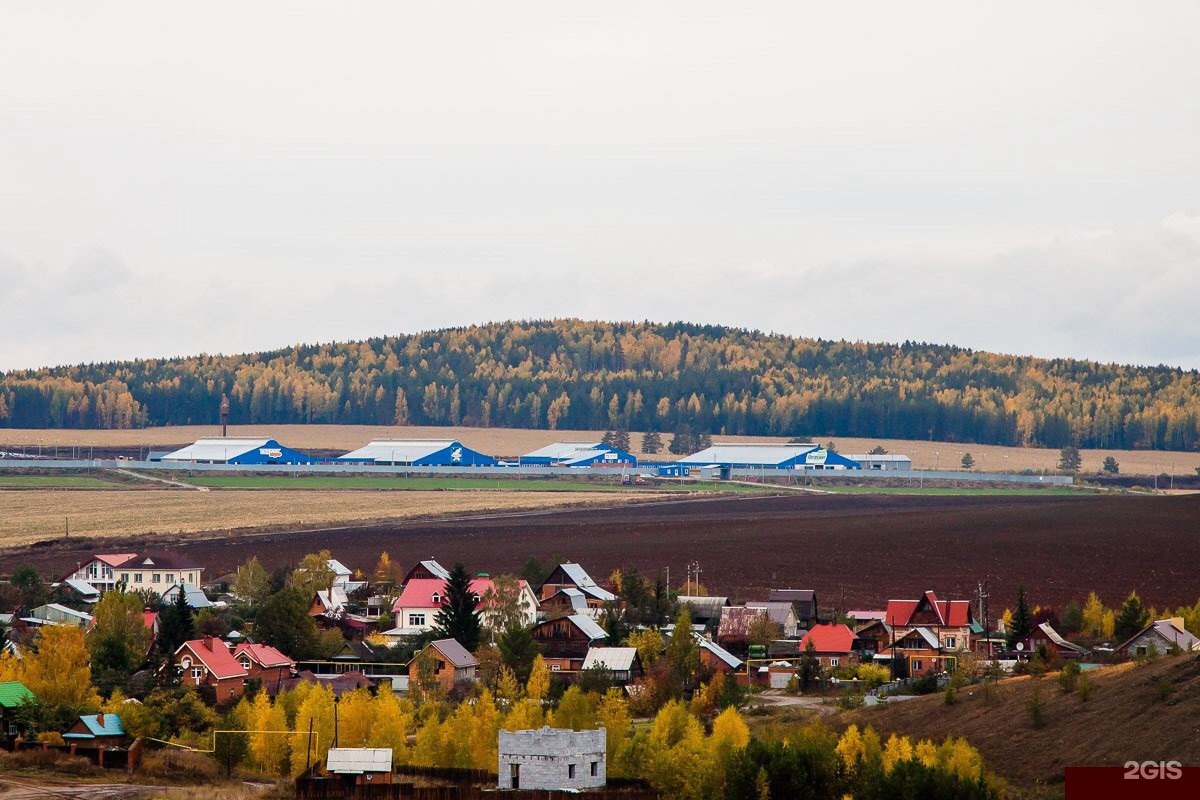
pixel 871 547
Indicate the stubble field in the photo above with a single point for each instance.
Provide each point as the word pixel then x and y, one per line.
pixel 27 517
pixel 509 443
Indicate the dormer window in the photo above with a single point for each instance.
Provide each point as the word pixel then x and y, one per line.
pixel 437 599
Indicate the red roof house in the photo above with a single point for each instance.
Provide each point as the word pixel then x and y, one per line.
pixel 263 662
pixel 833 645
pixel 209 662
pixel 421 599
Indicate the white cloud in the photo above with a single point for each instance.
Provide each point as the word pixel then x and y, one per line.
pixel 177 182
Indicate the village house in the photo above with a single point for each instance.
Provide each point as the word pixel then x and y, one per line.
pixel 1159 638
pixel 704 610
pixel 834 646
pixel 57 614
pixel 13 694
pixel 193 596
pixel 736 624
pixel 565 642
pixel 360 766
pixel 99 571
pixel 919 652
pixel 96 732
pixel 426 570
pixel 949 621
pixel 715 658
pixel 450 664
pixel 74 590
pixel 156 570
pixel 804 604
pixel 263 662
pixel 570 575
pixel 781 613
pixel 566 602
pixel 343 577
pixel 329 602
pixel 209 662
pixel 417 607
pixel 622 663
pixel 1044 636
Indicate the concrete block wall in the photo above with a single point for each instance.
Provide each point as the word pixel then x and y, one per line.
pixel 543 758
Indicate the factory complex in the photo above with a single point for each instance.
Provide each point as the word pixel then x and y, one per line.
pixel 715 460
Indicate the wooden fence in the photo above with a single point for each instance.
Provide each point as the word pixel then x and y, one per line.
pixel 335 789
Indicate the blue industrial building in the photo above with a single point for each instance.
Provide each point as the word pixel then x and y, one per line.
pixel 598 457
pixel 555 453
pixel 769 456
pixel 418 453
pixel 238 450
pixel 579 454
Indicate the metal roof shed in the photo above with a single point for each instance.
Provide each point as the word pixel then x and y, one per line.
pixel 237 450
pixel 419 453
pixel 358 760
pixel 553 453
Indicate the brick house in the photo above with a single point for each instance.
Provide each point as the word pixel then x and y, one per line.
pixel 453 665
pixel 950 621
pixel 565 642
pixel 715 658
pixel 263 662
pixel 209 662
pixel 834 646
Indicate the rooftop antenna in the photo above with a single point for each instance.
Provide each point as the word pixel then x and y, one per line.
pixel 224 415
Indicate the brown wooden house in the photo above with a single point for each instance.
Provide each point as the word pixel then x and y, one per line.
pixel 565 642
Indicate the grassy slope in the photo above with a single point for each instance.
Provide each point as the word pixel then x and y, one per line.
pixel 54 482
pixel 1124 719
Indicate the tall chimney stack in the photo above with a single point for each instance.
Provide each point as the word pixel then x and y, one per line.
pixel 224 415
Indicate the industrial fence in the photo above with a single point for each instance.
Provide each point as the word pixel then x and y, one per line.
pixel 527 471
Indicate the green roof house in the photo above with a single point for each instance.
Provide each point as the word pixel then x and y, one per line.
pixel 13 694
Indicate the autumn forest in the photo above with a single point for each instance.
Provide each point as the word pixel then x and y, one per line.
pixel 637 376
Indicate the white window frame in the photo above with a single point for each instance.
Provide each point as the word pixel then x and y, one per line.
pixel 834 661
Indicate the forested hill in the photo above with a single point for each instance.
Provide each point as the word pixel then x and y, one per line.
pixel 639 376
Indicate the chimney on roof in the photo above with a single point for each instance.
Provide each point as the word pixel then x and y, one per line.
pixel 100 719
pixel 211 644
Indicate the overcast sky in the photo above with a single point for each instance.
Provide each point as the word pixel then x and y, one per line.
pixel 185 178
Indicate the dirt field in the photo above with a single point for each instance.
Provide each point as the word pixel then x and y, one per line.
pixel 1124 719
pixel 871 547
pixel 507 442
pixel 32 516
